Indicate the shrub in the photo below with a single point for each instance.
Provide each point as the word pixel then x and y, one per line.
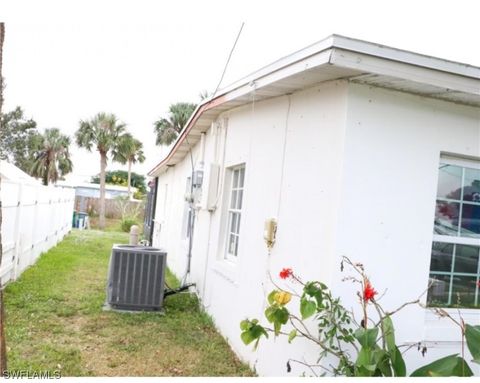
pixel 363 349
pixel 127 223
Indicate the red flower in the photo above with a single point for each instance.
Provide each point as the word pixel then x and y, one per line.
pixel 368 291
pixel 286 273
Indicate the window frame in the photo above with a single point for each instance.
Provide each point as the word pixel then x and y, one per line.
pixel 456 240
pixel 234 211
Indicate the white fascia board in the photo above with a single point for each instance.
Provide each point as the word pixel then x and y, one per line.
pixel 383 66
pixel 261 81
pixel 399 55
pixel 286 61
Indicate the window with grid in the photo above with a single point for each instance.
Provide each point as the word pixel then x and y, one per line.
pixel 455 266
pixel 235 210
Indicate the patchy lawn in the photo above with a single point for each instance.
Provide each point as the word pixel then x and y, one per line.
pixel 55 322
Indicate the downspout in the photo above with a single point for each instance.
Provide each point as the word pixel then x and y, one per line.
pixel 154 208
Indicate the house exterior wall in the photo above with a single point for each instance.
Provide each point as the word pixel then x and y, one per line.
pixel 390 173
pixel 346 170
pixel 292 150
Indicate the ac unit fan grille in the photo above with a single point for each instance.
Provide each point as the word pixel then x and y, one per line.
pixel 136 278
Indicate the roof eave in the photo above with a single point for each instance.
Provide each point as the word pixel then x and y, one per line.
pixel 333 58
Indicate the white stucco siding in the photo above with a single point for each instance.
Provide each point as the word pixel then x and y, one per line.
pixel 392 151
pixel 292 148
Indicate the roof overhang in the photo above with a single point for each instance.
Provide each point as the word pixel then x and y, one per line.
pixel 334 58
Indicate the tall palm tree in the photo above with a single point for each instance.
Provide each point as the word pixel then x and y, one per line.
pixel 3 348
pixel 167 129
pixel 101 132
pixel 128 150
pixel 52 160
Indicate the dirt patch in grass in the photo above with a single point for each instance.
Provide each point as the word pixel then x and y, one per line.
pixel 55 321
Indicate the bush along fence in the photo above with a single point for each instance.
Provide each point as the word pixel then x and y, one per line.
pixel 365 348
pixel 35 218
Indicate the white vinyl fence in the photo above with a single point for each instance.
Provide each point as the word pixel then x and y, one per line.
pixel 34 219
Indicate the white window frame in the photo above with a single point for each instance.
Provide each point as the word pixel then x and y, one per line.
pixel 236 191
pixel 187 211
pixel 458 239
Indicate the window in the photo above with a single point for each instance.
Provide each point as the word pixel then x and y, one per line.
pixel 234 211
pixel 455 266
pixel 187 211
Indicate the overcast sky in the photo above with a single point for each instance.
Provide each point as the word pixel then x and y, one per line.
pixel 67 60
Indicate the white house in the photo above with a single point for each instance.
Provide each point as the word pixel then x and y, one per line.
pixel 355 149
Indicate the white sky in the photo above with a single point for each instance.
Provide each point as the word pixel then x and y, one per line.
pixel 67 60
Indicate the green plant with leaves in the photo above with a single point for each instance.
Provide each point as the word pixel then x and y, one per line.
pixel 100 133
pixel 19 140
pixel 52 159
pixel 129 151
pixel 167 129
pixel 119 177
pixel 130 212
pixel 362 349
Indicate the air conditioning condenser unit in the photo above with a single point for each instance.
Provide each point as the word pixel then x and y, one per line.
pixel 136 278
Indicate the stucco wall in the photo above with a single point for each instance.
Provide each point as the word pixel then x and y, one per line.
pixel 292 148
pixel 346 170
pixel 392 152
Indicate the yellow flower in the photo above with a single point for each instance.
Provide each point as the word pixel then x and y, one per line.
pixel 282 297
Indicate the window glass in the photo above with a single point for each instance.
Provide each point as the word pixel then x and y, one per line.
pixel 471 190
pixel 442 254
pixel 463 291
pixel 455 258
pixel 449 181
pixel 438 291
pixel 466 259
pixel 446 218
pixel 234 210
pixel 470 223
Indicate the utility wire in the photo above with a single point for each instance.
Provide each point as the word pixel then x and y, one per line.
pixel 228 60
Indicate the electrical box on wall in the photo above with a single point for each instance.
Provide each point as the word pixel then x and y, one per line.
pixel 213 187
pixel 198 178
pixel 269 231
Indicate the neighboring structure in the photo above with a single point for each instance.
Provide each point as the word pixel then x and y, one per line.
pixel 86 194
pixel 90 190
pixel 355 149
pixel 34 219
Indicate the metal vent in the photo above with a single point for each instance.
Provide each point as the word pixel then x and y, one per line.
pixel 136 278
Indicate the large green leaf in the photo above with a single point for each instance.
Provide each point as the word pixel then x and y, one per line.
pixel 472 334
pixel 382 362
pixel 367 337
pixel 365 364
pixel 307 308
pixel 251 331
pixel 451 365
pixel 278 315
pixel 389 333
pixel 271 297
pixel 314 290
pixel 398 364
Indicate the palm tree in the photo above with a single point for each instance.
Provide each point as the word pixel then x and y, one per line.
pixel 128 150
pixel 3 348
pixel 101 132
pixel 52 160
pixel 167 129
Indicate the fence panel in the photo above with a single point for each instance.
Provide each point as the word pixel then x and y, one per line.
pixel 35 218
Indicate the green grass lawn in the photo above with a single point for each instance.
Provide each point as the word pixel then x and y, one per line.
pixel 55 321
